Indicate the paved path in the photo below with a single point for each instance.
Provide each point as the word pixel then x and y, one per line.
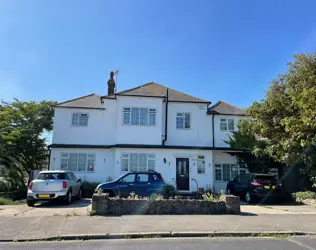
pixel 291 243
pixel 17 228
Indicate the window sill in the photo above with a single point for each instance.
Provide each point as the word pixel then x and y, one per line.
pixel 138 125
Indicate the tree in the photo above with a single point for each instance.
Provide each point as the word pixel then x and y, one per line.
pixel 252 149
pixel 287 115
pixel 21 126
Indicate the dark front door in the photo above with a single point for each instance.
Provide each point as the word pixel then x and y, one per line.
pixel 182 173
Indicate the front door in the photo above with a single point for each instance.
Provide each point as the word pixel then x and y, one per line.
pixel 183 174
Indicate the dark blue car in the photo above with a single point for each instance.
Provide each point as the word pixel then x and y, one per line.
pixel 143 184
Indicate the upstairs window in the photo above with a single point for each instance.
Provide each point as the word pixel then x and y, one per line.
pixel 183 120
pixel 139 116
pixel 79 119
pixel 227 125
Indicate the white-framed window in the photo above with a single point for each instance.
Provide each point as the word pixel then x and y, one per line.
pixel 201 164
pixel 79 119
pixel 139 116
pixel 227 125
pixel 137 162
pixel 183 121
pixel 226 172
pixel 77 162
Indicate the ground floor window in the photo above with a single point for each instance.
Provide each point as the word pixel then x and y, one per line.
pixel 137 162
pixel 226 172
pixel 200 164
pixel 77 162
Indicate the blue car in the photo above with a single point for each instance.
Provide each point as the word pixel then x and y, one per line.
pixel 143 184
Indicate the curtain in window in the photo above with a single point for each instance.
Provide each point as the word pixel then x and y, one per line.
pixel 133 162
pixel 179 120
pixel 143 116
pixel 231 124
pixel 187 120
pixel 142 162
pixel 135 116
pixel 82 164
pixel 73 162
pixel 226 172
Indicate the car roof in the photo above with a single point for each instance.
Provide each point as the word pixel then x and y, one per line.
pixel 54 171
pixel 142 172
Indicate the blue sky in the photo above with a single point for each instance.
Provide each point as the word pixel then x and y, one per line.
pixel 215 50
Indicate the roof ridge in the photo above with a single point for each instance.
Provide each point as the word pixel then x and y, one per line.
pixel 231 105
pixel 131 89
pixel 215 105
pixel 75 99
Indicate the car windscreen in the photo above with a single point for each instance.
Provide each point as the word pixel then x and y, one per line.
pixel 52 176
pixel 265 179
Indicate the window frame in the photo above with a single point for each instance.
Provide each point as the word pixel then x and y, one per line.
pixel 150 111
pixel 64 157
pixel 226 122
pixel 219 166
pixel 79 114
pixel 183 117
pixel 197 164
pixel 150 157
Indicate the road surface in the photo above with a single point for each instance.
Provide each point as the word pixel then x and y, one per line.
pixel 290 243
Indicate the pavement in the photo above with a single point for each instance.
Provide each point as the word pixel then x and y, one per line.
pixel 290 243
pixel 51 221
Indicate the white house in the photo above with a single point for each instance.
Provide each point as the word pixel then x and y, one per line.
pixel 150 127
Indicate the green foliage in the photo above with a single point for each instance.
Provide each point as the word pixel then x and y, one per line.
pixel 169 190
pixel 287 115
pixel 252 148
pixel 300 196
pixel 208 197
pixel 4 201
pixel 22 125
pixel 88 188
pixel 133 196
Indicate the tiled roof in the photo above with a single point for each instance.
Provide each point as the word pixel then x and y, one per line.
pixel 88 101
pixel 225 108
pixel 157 90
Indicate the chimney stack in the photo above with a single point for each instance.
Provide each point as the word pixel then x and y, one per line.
pixel 111 84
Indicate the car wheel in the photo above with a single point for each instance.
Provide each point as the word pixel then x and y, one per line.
pixel 79 194
pixel 248 197
pixel 30 203
pixel 68 198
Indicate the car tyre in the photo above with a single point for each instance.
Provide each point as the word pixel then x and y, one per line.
pixel 68 198
pixel 30 203
pixel 249 197
pixel 79 194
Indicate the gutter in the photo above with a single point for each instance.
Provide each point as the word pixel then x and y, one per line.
pixel 213 136
pixel 166 120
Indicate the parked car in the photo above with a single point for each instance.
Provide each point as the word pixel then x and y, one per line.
pixel 255 186
pixel 141 183
pixel 54 185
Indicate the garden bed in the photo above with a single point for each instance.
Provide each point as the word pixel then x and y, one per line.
pixel 306 197
pixel 102 204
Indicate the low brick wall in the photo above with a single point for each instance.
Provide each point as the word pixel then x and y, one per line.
pixel 103 205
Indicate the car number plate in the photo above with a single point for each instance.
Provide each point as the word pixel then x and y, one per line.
pixel 269 187
pixel 43 196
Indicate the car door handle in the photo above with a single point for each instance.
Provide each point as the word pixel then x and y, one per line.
pixel 131 184
pixel 148 183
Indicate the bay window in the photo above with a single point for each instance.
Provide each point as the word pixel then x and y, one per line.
pixel 77 162
pixel 137 162
pixel 226 172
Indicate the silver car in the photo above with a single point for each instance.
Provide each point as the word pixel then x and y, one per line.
pixel 54 185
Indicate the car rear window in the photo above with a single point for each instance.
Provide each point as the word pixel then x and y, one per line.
pixel 52 176
pixel 265 179
pixel 155 178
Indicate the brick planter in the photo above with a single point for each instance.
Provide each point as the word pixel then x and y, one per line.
pixel 103 205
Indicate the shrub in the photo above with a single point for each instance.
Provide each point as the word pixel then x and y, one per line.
pixel 213 197
pixel 4 201
pixel 169 190
pixel 299 196
pixel 88 188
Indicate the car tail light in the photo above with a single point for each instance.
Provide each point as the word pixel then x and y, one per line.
pixel 256 184
pixel 64 184
pixel 31 185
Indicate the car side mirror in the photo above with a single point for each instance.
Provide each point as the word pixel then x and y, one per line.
pixel 79 180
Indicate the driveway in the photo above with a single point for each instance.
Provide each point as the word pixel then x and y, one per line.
pixel 276 209
pixel 47 209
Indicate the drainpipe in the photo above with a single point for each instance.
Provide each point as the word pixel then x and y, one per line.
pixel 213 130
pixel 166 120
